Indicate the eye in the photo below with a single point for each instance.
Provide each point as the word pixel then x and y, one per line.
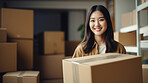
pixel 92 20
pixel 102 19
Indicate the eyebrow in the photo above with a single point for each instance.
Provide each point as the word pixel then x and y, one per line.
pixel 99 18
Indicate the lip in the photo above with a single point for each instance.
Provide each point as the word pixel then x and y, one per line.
pixel 98 29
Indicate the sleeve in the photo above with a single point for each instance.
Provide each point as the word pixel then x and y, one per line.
pixel 121 49
pixel 78 51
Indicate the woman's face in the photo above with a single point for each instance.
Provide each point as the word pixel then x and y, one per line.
pixel 97 23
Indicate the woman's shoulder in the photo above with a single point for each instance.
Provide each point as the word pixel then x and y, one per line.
pixel 79 50
pixel 120 48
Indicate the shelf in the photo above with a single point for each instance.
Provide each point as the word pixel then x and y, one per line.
pixel 144 44
pixel 128 29
pixel 144 30
pixel 133 49
pixel 142 6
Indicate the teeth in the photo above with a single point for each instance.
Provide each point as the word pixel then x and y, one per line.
pixel 97 29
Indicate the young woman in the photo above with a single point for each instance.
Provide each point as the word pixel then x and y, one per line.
pixel 99 37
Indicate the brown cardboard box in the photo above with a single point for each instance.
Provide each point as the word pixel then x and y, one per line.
pixel 3 35
pixel 70 47
pixel 134 17
pixel 8 57
pixel 126 39
pixel 53 42
pixel 103 68
pixel 127 19
pixel 50 66
pixel 52 81
pixel 25 53
pixel 145 73
pixel 21 77
pixel 19 22
pixel 142 1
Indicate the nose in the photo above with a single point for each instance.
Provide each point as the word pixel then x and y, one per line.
pixel 97 24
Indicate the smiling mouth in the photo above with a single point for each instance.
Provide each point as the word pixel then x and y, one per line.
pixel 98 29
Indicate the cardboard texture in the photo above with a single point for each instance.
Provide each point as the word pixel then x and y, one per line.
pixel 134 17
pixel 21 77
pixel 52 81
pixel 3 35
pixel 25 53
pixel 50 66
pixel 127 19
pixel 103 68
pixel 126 39
pixel 8 57
pixel 54 42
pixel 70 47
pixel 19 22
pixel 145 73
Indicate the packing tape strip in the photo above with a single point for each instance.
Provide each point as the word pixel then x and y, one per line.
pixel 20 77
pixel 75 67
pixel 75 72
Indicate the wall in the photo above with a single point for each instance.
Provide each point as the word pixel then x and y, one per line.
pixel 76 18
pixel 46 20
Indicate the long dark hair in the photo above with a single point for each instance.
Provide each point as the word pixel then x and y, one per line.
pixel 89 39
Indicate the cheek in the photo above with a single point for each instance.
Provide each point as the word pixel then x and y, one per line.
pixel 90 25
pixel 104 24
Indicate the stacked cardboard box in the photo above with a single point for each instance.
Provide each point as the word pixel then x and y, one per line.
pixel 145 73
pixel 127 19
pixel 127 39
pixel 52 81
pixel 8 53
pixel 8 57
pixel 103 68
pixel 19 24
pixel 3 35
pixel 52 42
pixel 21 77
pixel 142 1
pixel 52 51
pixel 50 66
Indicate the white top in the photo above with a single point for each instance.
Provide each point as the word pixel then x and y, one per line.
pixel 102 49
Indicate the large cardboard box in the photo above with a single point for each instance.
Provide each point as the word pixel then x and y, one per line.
pixel 8 57
pixel 3 35
pixel 145 73
pixel 21 77
pixel 126 39
pixel 53 42
pixel 19 22
pixel 127 19
pixel 70 47
pixel 25 53
pixel 52 81
pixel 103 68
pixel 50 66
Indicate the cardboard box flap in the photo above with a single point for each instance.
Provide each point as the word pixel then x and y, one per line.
pixel 101 59
pixel 3 28
pixel 30 73
pixel 12 74
pixel 23 74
